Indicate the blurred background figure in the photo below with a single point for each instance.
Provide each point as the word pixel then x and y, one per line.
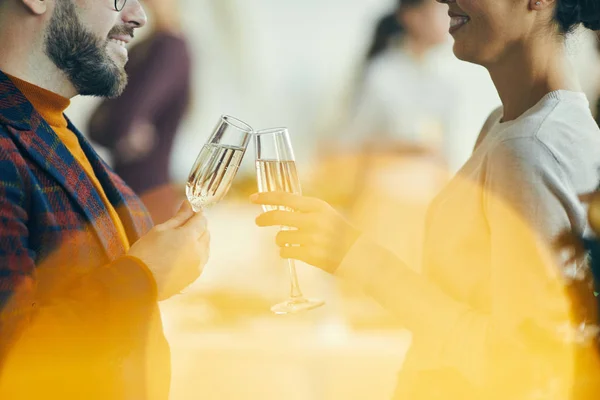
pixel 139 127
pixel 405 103
pixel 410 126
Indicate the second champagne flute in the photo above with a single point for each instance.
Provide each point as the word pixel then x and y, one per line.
pixel 276 171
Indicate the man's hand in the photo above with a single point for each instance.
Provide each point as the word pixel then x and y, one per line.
pixel 175 251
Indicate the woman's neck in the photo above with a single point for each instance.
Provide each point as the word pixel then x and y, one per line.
pixel 527 73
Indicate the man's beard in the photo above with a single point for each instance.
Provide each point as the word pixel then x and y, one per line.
pixel 81 55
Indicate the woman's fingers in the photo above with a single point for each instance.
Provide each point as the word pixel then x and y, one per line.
pixel 322 236
pixel 289 200
pixel 286 218
pixel 305 254
pixel 294 238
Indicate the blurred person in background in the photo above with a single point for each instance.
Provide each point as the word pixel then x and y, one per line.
pixel 139 127
pixel 407 128
pixel 491 315
pixel 81 268
pixel 406 103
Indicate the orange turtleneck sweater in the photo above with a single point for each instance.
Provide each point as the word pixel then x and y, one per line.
pixel 51 107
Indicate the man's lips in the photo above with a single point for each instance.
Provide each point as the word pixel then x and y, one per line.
pixel 121 38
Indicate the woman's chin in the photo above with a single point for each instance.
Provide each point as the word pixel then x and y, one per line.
pixel 469 52
pixel 461 53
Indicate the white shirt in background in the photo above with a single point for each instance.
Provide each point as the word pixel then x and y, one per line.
pixel 428 101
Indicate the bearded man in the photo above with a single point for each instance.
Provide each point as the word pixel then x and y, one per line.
pixel 81 268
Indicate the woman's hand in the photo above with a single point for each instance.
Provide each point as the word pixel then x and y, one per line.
pixel 322 237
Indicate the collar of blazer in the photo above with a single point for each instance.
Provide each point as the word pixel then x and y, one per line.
pixel 37 139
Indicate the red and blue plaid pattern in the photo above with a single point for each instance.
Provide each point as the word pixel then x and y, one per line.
pixel 55 231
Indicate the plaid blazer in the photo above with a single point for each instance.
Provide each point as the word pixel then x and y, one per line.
pixel 69 297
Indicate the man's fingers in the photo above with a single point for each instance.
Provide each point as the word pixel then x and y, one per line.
pixel 183 215
pixel 197 224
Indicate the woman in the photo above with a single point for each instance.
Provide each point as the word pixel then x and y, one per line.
pixel 490 315
pixel 139 127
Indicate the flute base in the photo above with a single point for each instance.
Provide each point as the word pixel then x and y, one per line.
pixel 295 306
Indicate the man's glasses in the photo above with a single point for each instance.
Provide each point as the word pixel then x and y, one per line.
pixel 120 4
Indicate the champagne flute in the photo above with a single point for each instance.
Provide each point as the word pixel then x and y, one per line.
pixel 276 171
pixel 218 162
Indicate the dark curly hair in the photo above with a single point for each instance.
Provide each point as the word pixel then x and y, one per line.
pixel 572 13
pixel 388 27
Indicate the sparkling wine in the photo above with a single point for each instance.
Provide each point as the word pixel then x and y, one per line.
pixel 280 176
pixel 213 174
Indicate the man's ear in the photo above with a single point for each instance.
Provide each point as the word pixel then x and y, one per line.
pixel 37 7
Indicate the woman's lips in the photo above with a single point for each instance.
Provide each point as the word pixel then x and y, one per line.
pixel 457 21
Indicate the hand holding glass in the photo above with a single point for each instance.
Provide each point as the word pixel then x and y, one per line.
pixel 276 171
